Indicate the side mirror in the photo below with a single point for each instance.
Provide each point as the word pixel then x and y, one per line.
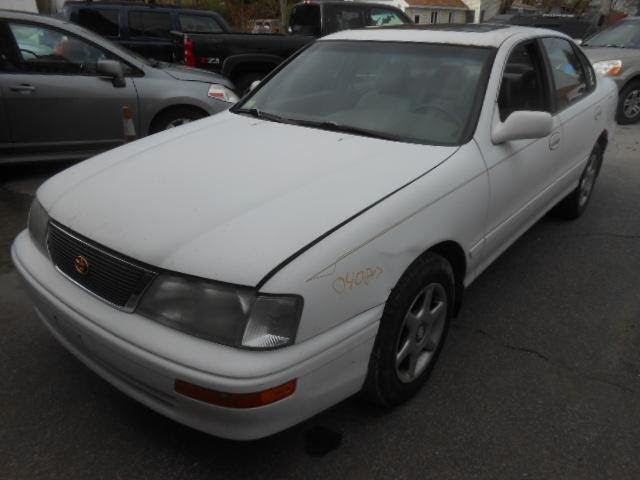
pixel 522 125
pixel 113 69
pixel 253 85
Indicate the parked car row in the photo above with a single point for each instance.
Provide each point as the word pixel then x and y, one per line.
pixel 204 40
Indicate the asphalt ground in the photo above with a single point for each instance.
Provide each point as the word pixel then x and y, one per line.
pixel 540 377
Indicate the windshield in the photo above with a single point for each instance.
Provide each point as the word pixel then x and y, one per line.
pixel 411 92
pixel 624 34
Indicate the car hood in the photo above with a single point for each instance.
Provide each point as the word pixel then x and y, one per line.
pixel 194 75
pixel 598 54
pixel 229 197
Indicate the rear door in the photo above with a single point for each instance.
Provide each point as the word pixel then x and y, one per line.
pixel 581 115
pixel 55 101
pixel 149 34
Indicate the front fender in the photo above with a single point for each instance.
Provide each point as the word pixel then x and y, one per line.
pixel 354 269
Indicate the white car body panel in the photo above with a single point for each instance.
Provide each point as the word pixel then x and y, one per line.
pixel 338 221
pixel 325 184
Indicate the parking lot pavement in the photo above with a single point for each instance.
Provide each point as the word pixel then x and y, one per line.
pixel 540 377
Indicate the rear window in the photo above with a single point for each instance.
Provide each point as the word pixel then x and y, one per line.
pixel 199 24
pixel 347 17
pixel 305 20
pixel 102 21
pixel 149 24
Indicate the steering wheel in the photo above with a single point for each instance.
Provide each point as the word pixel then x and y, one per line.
pixel 447 114
pixel 30 52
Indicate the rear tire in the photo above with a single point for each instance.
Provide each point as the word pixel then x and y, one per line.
pixel 629 104
pixel 574 204
pixel 412 330
pixel 175 117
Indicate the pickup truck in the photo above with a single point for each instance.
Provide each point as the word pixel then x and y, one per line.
pixel 244 58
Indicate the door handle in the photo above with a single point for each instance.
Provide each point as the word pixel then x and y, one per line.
pixel 24 88
pixel 554 140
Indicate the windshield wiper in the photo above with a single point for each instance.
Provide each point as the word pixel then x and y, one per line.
pixel 337 127
pixel 254 112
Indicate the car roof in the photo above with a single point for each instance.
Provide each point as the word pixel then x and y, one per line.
pixel 472 34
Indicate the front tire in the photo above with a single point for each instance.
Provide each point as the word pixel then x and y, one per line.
pixel 629 104
pixel 412 330
pixel 574 205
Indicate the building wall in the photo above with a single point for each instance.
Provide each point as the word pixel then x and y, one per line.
pixel 490 8
pixel 458 16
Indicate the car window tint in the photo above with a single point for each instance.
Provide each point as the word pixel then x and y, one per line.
pixel 9 61
pixel 588 68
pixel 199 24
pixel 522 86
pixel 384 16
pixel 338 17
pixel 568 74
pixel 149 24
pixel 102 21
pixel 45 50
pixel 305 20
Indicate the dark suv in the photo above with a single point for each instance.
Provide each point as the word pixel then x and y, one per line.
pixel 145 29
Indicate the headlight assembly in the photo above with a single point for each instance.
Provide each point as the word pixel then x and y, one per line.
pixel 223 93
pixel 37 224
pixel 608 67
pixel 227 314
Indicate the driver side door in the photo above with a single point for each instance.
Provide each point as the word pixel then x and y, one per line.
pixel 56 103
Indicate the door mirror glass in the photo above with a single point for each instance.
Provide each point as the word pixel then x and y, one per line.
pixel 113 69
pixel 522 125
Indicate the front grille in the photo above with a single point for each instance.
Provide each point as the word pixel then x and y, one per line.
pixel 110 276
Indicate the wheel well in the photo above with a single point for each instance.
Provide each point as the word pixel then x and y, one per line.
pixel 635 78
pixel 171 108
pixel 455 255
pixel 603 140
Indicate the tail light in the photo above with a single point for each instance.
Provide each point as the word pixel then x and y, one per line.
pixel 189 52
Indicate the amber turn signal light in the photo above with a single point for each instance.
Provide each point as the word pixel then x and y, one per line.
pixel 235 400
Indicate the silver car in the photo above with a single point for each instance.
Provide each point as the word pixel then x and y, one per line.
pixel 67 93
pixel 615 52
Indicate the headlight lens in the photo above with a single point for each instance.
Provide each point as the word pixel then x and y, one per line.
pixel 223 313
pixel 608 67
pixel 37 224
pixel 223 93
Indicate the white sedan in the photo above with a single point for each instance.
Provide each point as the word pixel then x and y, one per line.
pixel 244 272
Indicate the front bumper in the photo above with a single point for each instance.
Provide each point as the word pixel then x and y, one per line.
pixel 143 359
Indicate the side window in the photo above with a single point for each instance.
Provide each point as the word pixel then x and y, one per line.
pixel 339 18
pixel 382 16
pixel 149 24
pixel 568 73
pixel 9 61
pixel 199 24
pixel 102 21
pixel 523 85
pixel 45 50
pixel 588 68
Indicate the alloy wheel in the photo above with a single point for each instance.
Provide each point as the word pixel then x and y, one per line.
pixel 421 332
